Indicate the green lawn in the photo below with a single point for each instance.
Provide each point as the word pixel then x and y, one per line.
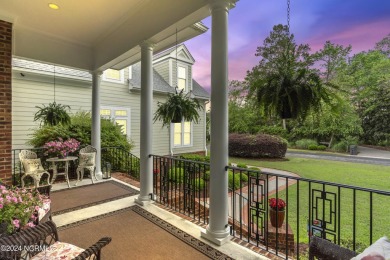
pixel 363 175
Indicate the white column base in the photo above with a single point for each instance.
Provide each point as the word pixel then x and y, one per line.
pixel 218 238
pixel 143 201
pixel 99 175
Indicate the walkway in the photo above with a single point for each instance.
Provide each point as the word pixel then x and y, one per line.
pixel 365 155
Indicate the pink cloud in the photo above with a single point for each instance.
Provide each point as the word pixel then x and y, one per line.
pixel 362 37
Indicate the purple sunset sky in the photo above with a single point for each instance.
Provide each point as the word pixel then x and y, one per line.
pixel 360 23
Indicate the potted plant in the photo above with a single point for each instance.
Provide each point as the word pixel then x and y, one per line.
pixel 53 114
pixel 19 209
pixel 61 148
pixel 178 107
pixel 277 212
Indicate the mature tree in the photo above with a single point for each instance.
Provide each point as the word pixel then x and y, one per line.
pixel 242 117
pixel 368 77
pixel 330 125
pixel 283 81
pixel 384 45
pixel 331 58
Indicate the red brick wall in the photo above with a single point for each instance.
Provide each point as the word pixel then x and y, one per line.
pixel 5 100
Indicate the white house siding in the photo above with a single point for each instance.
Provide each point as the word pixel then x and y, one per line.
pixel 30 91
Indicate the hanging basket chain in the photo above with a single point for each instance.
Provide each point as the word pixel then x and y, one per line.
pixel 54 84
pixel 288 15
pixel 177 76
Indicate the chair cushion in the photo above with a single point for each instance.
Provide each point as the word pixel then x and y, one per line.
pixel 379 250
pixel 59 251
pixel 87 159
pixel 44 209
pixel 32 165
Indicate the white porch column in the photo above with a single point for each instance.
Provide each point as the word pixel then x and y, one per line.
pixel 96 79
pixel 218 231
pixel 146 169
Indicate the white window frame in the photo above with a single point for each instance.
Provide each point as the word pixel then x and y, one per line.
pixel 121 80
pixel 130 72
pixel 113 117
pixel 182 135
pixel 188 79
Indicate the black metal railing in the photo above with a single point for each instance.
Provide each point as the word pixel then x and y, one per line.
pixel 182 185
pixel 119 159
pixel 350 216
pixel 122 161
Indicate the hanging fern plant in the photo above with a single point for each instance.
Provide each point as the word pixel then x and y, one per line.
pixel 53 114
pixel 178 107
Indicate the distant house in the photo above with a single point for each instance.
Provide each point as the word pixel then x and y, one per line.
pixel 36 83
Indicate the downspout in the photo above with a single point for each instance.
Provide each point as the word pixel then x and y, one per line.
pixel 170 141
pixel 205 128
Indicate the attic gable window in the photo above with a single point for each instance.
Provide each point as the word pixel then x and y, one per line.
pixel 115 76
pixel 181 78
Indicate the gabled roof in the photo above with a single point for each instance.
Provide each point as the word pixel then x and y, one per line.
pixel 183 54
pixel 160 85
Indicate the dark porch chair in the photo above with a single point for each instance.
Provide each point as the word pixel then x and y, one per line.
pixel 326 250
pixel 32 240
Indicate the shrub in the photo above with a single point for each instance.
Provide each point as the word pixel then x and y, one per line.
pixel 238 178
pixel 257 146
pixel 206 175
pixel 274 130
pixel 244 178
pixel 242 165
pixel 199 184
pixel 321 147
pixel 176 175
pixel 305 143
pixel 195 157
pixel 341 146
pixel 80 129
pixel 312 147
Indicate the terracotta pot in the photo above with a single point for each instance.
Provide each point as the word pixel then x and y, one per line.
pixel 272 215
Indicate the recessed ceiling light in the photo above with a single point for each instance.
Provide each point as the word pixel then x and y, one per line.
pixel 54 6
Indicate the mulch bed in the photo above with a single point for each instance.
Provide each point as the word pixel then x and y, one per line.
pixel 137 234
pixel 89 195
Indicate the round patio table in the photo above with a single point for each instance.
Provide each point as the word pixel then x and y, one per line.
pixel 54 167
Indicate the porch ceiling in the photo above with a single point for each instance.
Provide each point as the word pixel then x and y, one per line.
pixel 99 34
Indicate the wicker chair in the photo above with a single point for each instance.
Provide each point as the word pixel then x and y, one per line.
pixel 323 249
pixel 87 160
pixel 32 167
pixel 32 240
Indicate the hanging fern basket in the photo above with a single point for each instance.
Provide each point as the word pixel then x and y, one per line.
pixel 177 118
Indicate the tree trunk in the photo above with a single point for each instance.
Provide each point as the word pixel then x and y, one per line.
pixel 331 141
pixel 284 124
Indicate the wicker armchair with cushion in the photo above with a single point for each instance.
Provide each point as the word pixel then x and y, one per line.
pixel 32 167
pixel 323 249
pixel 32 242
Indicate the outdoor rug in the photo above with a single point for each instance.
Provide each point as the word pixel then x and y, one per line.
pixel 63 201
pixel 137 234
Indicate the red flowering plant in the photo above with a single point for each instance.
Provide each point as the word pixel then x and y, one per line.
pixel 277 204
pixel 61 148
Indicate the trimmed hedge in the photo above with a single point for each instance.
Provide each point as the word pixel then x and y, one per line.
pixel 257 146
pixel 195 157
